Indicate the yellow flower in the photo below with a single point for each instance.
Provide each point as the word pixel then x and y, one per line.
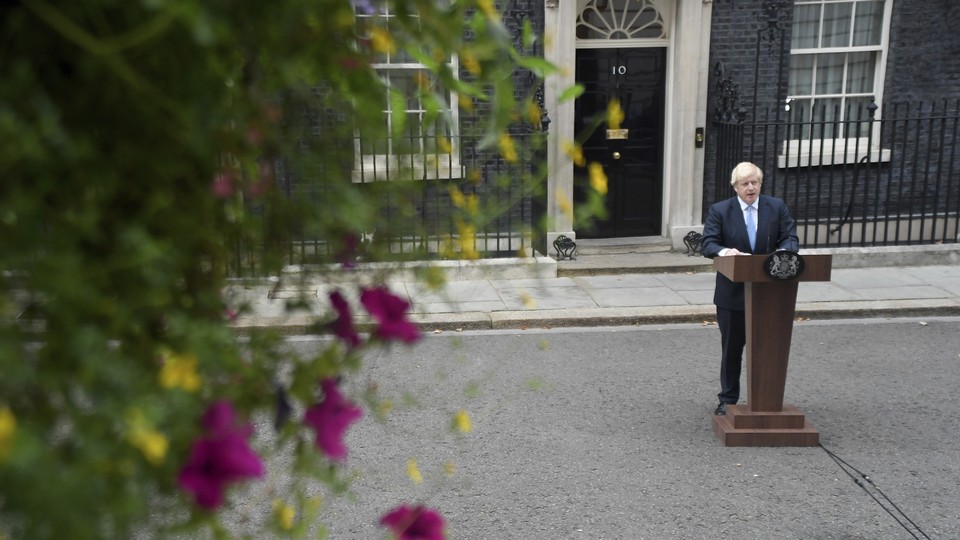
pixel 533 112
pixel 468 237
pixel 472 204
pixel 466 104
pixel 141 435
pixel 8 426
pixel 151 443
pixel 414 472
pixel 444 145
pixel 575 151
pixel 507 148
pixel 180 371
pixel 475 177
pixel 461 422
pixel 382 41
pixel 468 203
pixel 614 114
pixel 470 62
pixel 598 179
pixel 284 513
pixel 456 197
pixel 449 468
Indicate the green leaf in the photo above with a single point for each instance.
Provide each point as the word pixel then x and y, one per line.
pixel 539 66
pixel 398 116
pixel 572 92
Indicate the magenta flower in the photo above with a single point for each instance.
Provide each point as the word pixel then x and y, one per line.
pixel 419 523
pixel 221 457
pixel 349 250
pixel 390 311
pixel 224 184
pixel 343 325
pixel 330 419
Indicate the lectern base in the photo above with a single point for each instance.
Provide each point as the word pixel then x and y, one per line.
pixel 743 427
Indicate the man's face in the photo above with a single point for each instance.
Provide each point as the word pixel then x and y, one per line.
pixel 748 189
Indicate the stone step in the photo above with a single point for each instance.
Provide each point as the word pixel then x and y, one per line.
pixel 635 255
pixel 620 246
pixel 633 263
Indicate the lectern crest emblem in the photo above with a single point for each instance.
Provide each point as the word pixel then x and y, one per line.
pixel 784 265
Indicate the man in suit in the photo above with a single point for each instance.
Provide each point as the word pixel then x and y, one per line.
pixel 749 223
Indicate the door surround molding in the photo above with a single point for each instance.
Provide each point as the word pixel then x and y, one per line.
pixel 687 29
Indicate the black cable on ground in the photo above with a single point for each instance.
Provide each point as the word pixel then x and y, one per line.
pixel 862 480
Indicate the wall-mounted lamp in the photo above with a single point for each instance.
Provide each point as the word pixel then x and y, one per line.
pixel 551 3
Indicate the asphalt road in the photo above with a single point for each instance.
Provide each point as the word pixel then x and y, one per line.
pixel 605 433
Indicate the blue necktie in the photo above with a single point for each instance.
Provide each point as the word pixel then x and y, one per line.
pixel 751 228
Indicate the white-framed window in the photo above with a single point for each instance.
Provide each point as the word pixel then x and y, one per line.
pixel 424 143
pixel 837 57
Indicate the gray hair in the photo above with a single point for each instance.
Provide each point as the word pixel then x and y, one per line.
pixel 743 170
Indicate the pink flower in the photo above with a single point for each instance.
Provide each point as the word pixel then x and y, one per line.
pixel 343 325
pixel 330 419
pixel 347 256
pixel 419 523
pixel 224 184
pixel 221 457
pixel 390 311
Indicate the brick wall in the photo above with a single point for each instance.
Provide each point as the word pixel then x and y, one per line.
pixel 923 62
pixel 923 66
pixel 752 44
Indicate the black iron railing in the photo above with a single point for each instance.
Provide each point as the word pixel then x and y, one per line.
pixel 450 199
pixel 860 177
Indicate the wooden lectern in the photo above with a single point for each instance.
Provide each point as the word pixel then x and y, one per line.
pixel 770 306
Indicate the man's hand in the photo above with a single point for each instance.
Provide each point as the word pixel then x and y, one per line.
pixel 732 251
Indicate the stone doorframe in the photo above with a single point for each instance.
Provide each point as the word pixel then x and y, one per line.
pixel 688 53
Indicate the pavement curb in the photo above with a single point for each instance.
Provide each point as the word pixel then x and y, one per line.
pixel 594 317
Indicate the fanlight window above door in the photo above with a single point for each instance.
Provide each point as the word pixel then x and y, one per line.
pixel 621 19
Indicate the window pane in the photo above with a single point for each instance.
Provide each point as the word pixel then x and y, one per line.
pixel 827 114
pixel 868 24
pixel 409 141
pixel 801 75
pixel 860 72
pixel 403 81
pixel 799 116
pixel 856 109
pixel 429 137
pixel 830 73
pixel 827 109
pixel 836 24
pixel 806 26
pixel 372 145
pixel 840 82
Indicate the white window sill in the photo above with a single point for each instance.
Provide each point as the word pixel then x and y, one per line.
pixel 406 174
pixel 827 158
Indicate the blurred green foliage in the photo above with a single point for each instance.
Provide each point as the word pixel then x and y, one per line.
pixel 138 140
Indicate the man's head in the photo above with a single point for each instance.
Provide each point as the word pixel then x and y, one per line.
pixel 746 180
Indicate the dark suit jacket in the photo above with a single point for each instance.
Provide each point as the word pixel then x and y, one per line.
pixel 725 228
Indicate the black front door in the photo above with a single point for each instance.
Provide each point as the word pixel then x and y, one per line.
pixel 633 156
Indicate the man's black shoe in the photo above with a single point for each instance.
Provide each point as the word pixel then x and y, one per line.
pixel 721 409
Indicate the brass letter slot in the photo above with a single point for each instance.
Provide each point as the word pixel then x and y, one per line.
pixel 617 134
